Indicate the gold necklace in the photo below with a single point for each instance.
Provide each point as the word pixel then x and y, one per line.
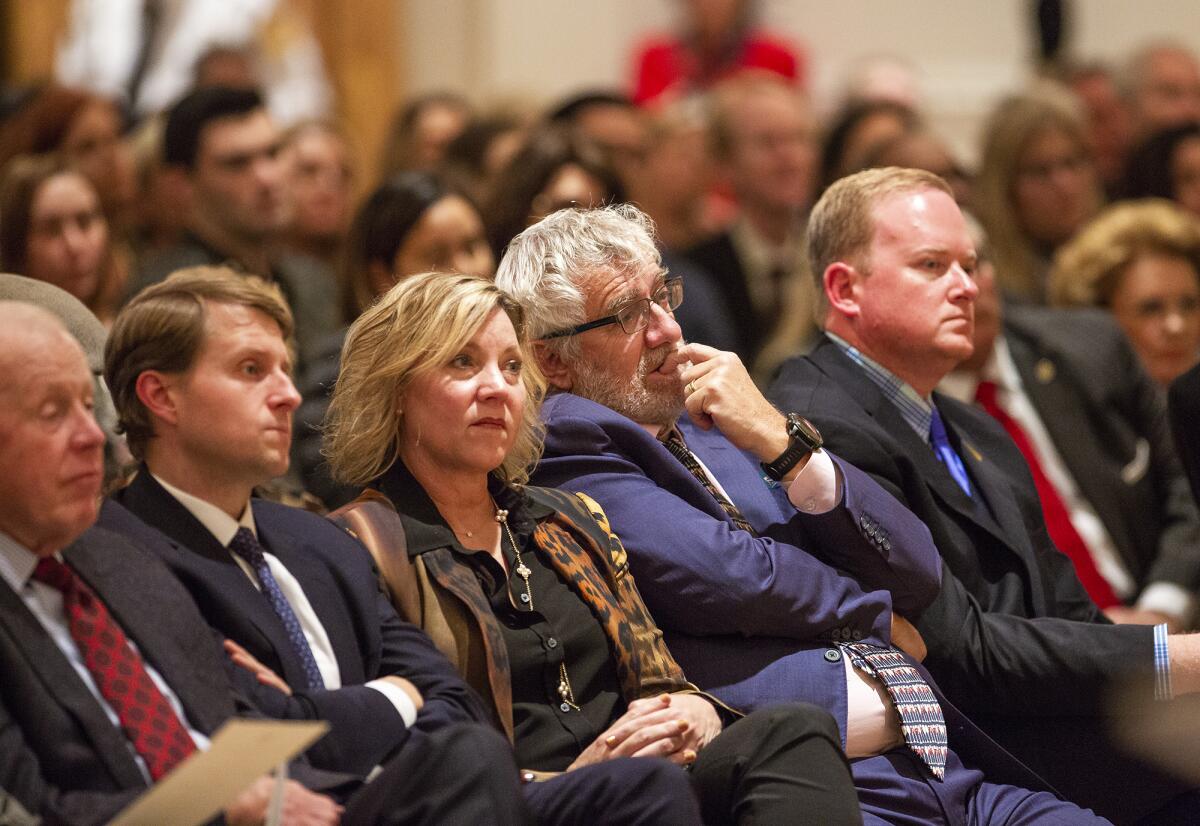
pixel 522 570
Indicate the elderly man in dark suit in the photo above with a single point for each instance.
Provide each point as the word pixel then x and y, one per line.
pixel 1069 389
pixel 111 678
pixel 1012 635
pixel 774 569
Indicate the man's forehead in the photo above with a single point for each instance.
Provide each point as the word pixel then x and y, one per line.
pixel 920 216
pixel 609 285
pixel 228 325
pixel 234 132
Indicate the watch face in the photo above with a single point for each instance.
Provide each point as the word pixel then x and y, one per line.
pixel 802 429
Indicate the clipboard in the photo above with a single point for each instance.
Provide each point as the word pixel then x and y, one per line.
pixel 240 752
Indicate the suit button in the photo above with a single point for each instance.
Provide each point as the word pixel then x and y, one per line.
pixel 883 543
pixel 833 655
pixel 551 643
pixel 857 635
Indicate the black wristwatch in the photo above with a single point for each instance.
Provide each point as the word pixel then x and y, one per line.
pixel 803 439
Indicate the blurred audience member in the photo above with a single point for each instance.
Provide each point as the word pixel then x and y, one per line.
pixel 161 212
pixel 1163 86
pixel 1109 126
pixel 1140 261
pixel 223 146
pixel 716 39
pixel 55 231
pixel 920 148
pixel 319 184
pixel 1091 424
pixel 1167 165
pixel 764 145
pixel 1036 186
pixel 475 158
pixel 554 169
pixel 612 123
pixel 228 65
pixel 675 174
pixel 411 223
pixel 86 129
pixel 422 130
pixel 860 129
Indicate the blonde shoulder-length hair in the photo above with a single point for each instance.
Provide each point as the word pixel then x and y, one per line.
pixel 417 326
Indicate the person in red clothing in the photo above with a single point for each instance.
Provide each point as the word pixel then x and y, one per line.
pixel 719 40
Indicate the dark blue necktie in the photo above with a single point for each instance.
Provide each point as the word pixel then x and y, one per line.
pixel 945 453
pixel 245 545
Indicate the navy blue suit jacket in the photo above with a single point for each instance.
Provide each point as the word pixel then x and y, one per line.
pixel 339 579
pixel 710 586
pixel 799 586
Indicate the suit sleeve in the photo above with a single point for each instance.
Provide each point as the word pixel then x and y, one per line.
pixel 395 648
pixel 700 575
pixel 1178 554
pixel 21 776
pixel 998 663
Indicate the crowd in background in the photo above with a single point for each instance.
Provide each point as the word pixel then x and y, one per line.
pixel 1084 204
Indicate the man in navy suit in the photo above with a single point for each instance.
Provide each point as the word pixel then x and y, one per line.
pixel 199 368
pixel 767 561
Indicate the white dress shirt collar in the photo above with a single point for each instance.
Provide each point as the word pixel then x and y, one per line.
pixel 220 524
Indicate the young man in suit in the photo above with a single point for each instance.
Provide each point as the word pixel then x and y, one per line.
pixel 111 677
pixel 199 367
pixel 774 568
pixel 1012 635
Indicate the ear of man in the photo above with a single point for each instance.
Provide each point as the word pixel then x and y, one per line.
pixel 155 392
pixel 842 283
pixel 553 367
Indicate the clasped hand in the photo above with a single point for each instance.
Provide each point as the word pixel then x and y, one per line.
pixel 674 726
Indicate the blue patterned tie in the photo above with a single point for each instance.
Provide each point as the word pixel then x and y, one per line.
pixel 944 451
pixel 245 545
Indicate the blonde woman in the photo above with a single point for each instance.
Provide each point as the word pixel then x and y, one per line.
pixel 1141 261
pixel 1037 185
pixel 527 589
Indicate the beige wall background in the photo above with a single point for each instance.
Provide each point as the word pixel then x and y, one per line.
pixel 967 53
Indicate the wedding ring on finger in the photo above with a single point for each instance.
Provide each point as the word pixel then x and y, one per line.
pixel 691 387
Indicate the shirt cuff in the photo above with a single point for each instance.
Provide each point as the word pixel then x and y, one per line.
pixel 817 488
pixel 405 707
pixel 1170 599
pixel 1162 664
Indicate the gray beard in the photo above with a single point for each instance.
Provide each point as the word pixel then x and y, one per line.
pixel 631 398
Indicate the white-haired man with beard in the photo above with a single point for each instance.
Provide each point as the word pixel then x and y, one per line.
pixel 777 571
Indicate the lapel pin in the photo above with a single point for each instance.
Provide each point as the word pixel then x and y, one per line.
pixel 975 454
pixel 1045 371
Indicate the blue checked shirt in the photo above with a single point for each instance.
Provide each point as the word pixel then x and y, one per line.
pixel 918 412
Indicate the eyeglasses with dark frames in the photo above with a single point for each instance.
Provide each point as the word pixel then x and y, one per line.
pixel 634 316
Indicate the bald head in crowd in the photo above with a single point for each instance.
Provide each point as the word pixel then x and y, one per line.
pixel 51 449
pixel 1163 86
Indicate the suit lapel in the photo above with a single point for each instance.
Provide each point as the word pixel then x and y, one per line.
pixel 738 473
pixel 121 579
pixel 319 587
pixel 1047 383
pixel 829 357
pixel 62 683
pixel 151 502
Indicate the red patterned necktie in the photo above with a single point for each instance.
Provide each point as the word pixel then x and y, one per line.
pixel 1054 510
pixel 149 722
